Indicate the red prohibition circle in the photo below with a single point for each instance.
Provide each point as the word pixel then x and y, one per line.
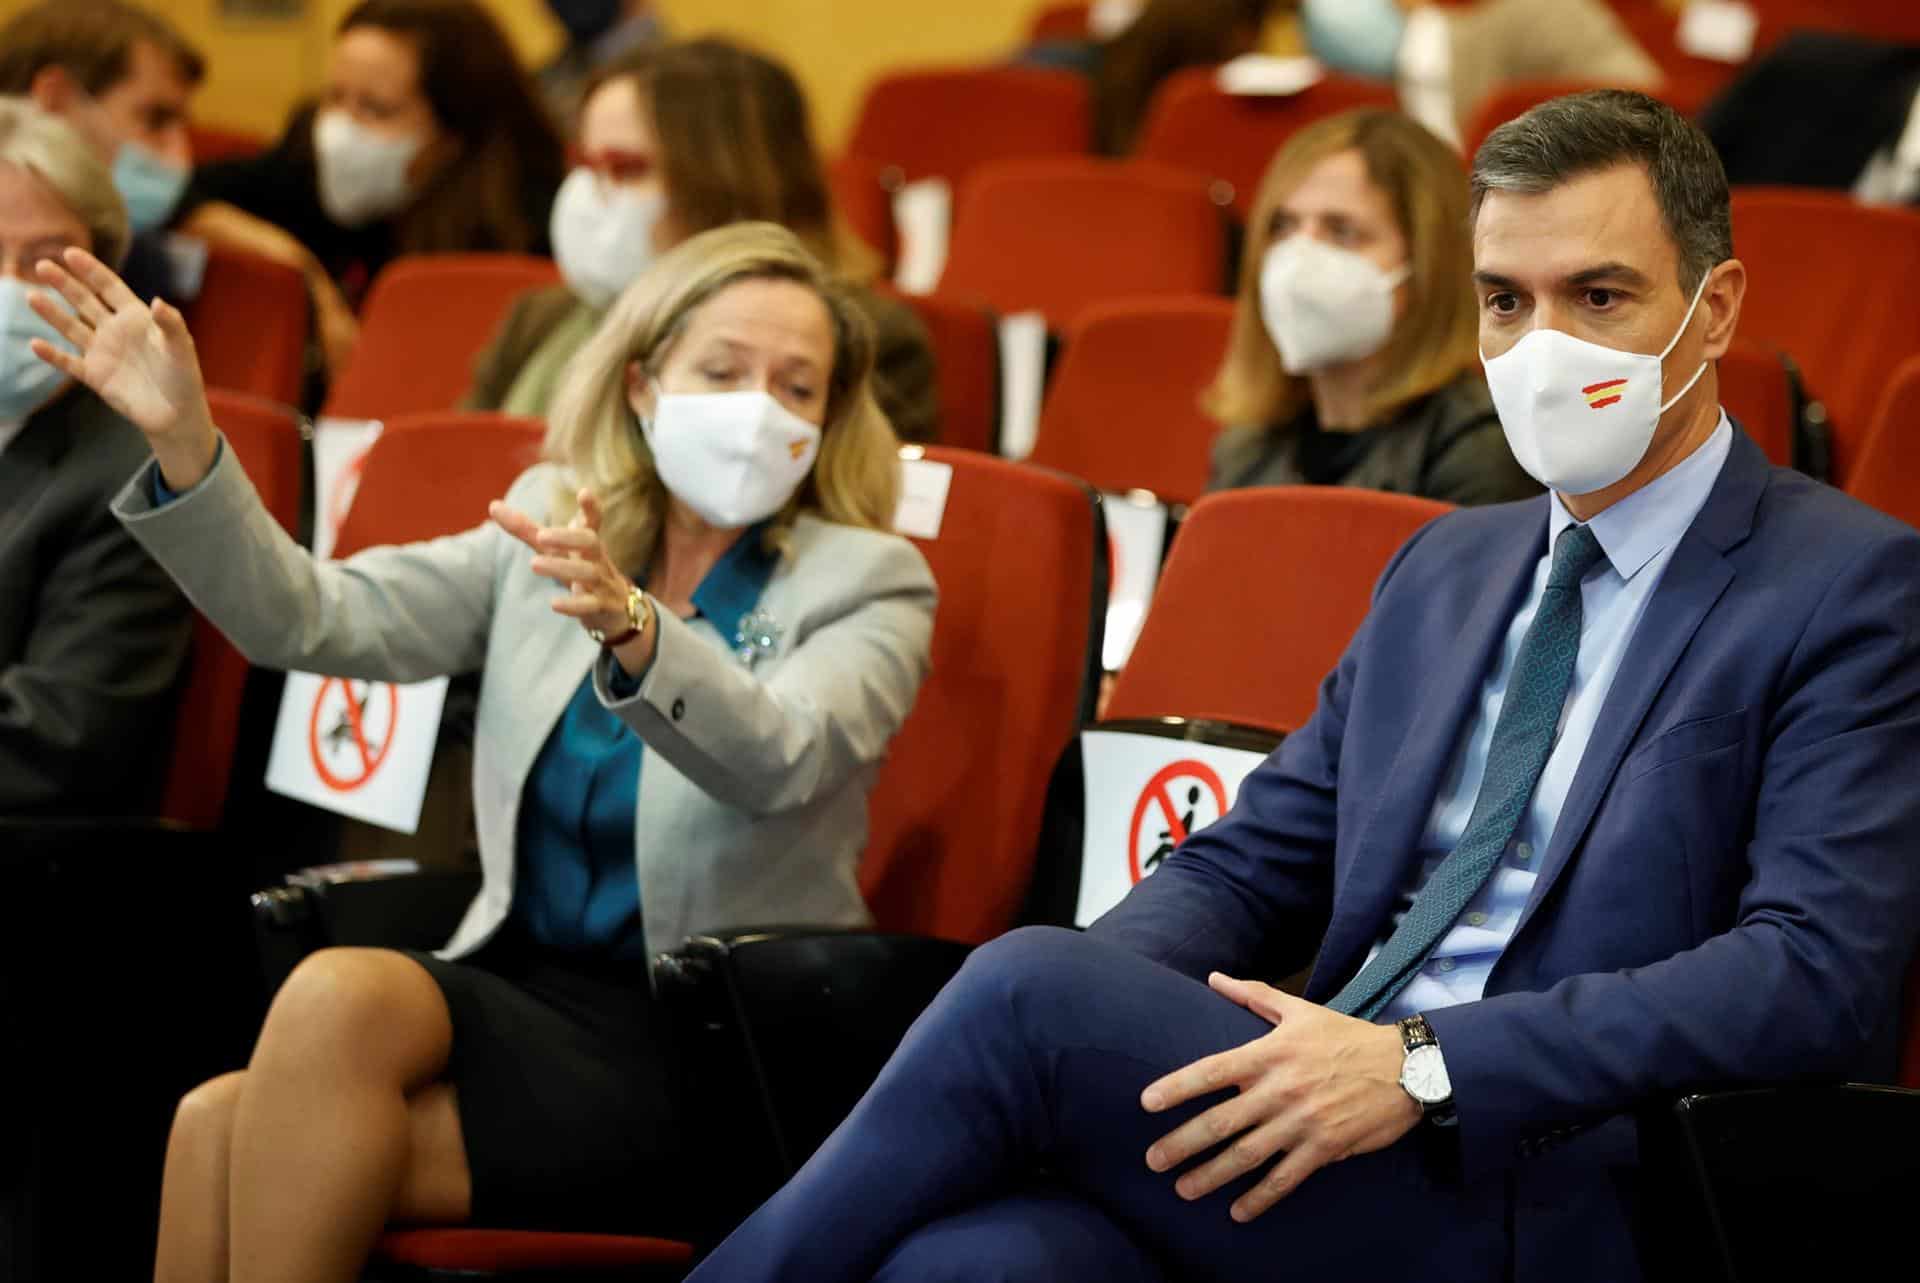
pixel 1156 790
pixel 370 758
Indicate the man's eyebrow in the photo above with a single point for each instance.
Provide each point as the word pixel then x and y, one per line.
pixel 1608 272
pixel 1493 280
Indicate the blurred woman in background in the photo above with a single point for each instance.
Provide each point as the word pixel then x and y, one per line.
pixel 428 139
pixel 674 140
pixel 1354 356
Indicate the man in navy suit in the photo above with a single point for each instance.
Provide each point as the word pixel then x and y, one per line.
pixel 1609 796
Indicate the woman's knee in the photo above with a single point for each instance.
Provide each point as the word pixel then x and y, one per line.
pixel 204 1117
pixel 375 1007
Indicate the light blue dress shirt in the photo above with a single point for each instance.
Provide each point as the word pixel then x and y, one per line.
pixel 1638 535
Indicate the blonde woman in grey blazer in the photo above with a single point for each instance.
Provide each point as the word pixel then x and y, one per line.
pixel 648 762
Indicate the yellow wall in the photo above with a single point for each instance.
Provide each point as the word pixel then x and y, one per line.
pixel 260 69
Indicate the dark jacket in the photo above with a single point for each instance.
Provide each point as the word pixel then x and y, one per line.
pixel 1814 110
pixel 1447 446
pixel 93 635
pixel 903 357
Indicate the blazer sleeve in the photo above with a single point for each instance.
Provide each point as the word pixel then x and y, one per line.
pixel 830 709
pixel 1253 892
pixel 1806 980
pixel 83 711
pixel 398 614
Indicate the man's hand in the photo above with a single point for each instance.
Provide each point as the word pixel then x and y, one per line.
pixel 1319 1088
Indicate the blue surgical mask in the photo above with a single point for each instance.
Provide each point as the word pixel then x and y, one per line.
pixel 149 184
pixel 26 382
pixel 1361 37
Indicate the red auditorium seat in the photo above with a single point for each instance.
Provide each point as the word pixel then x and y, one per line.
pixel 429 475
pixel 1886 472
pixel 1757 389
pixel 945 122
pixel 250 324
pixel 966 361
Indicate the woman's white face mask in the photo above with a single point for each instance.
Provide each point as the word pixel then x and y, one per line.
pixel 734 458
pixel 364 175
pixel 1325 306
pixel 602 235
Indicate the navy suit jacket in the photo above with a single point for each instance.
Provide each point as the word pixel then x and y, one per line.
pixel 1732 891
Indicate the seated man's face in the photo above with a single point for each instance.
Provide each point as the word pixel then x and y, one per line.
pixel 1591 257
pixel 148 107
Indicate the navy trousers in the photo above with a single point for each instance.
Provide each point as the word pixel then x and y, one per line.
pixel 1005 1141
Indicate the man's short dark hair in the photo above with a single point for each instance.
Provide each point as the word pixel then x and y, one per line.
pixel 93 40
pixel 1586 132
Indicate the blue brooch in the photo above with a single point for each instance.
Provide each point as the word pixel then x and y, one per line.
pixel 757 636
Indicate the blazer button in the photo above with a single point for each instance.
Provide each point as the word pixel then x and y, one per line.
pixel 679 709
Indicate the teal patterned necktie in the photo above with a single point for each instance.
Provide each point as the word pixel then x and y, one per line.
pixel 1522 739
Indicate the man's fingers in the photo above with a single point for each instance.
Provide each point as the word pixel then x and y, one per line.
pixel 1301 1162
pixel 1244 1155
pixel 1206 1130
pixel 99 278
pixel 78 296
pixel 1261 999
pixel 1201 1078
pixel 173 324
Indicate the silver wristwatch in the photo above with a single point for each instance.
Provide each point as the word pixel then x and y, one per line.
pixel 1423 1075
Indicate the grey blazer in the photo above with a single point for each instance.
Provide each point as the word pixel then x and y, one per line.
pixel 753 801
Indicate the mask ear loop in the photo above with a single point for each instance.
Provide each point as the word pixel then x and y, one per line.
pixel 1699 291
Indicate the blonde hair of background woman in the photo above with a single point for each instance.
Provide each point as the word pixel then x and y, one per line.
pixel 55 153
pixel 594 434
pixel 1435 340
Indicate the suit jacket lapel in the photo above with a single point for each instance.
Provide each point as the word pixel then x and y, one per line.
pixel 1381 859
pixel 26 466
pixel 1694 580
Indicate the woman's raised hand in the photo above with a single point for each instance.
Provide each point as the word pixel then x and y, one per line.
pixel 139 360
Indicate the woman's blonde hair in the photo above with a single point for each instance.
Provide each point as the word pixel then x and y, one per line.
pixel 1435 340
pixel 594 433
pixel 55 153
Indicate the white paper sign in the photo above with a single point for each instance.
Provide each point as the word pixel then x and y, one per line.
pixel 1108 18
pixel 1136 539
pixel 924 484
pixel 1145 794
pixel 339 452
pixel 356 747
pixel 1023 381
pixel 1265 76
pixel 1721 30
pixel 187 257
pixel 923 217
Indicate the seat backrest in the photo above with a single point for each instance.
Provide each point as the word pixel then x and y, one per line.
pixel 1020 562
pixel 966 362
pixel 1756 389
pixel 1832 283
pixel 1231 138
pixel 209 144
pixel 265 437
pixel 425 320
pixel 945 121
pixel 250 323
pixel 1123 411
pixel 1258 599
pixel 1054 235
pixel 1061 22
pixel 861 199
pixel 1886 472
pixel 428 475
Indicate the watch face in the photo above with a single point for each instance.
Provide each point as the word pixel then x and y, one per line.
pixel 1424 1076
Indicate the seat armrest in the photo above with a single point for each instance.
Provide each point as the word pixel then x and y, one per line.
pixel 416 910
pixel 786 1027
pixel 1775 1183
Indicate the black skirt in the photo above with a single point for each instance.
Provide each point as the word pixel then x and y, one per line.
pixel 569 1090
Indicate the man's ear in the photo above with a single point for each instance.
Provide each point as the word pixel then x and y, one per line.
pixel 1726 291
pixel 53 90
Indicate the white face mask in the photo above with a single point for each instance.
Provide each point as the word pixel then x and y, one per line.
pixel 26 382
pixel 1579 416
pixel 733 457
pixel 602 235
pixel 1324 306
pixel 363 175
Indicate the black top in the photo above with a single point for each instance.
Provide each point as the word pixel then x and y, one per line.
pixel 282 186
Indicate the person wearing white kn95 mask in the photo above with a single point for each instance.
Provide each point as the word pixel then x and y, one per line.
pixel 700 637
pixel 1351 360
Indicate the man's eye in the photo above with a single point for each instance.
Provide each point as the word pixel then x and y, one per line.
pixel 1502 304
pixel 1600 298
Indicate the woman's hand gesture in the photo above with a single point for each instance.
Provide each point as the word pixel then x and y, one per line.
pixel 573 556
pixel 139 360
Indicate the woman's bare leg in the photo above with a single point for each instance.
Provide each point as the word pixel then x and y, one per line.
pixel 322 1140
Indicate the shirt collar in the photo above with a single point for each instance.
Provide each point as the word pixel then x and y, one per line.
pixel 1638 528
pixel 732 589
